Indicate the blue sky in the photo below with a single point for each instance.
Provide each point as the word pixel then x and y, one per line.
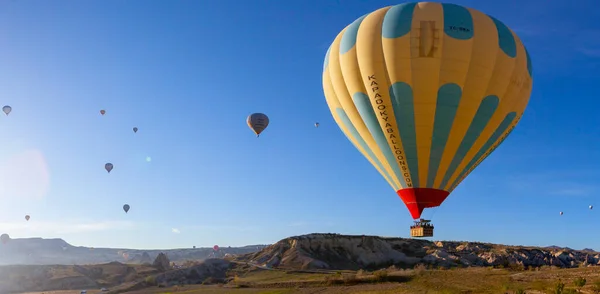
pixel 187 73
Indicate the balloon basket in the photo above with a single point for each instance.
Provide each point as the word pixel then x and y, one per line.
pixel 421 229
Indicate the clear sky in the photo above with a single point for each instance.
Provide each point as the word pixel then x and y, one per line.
pixel 188 73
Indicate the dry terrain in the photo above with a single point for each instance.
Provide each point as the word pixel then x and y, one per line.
pixel 243 279
pixel 331 263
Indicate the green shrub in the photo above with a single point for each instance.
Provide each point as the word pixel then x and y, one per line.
pixel 559 287
pixel 380 275
pixel 579 283
pixel 150 280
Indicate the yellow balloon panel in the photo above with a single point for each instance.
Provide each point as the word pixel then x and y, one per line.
pixel 430 89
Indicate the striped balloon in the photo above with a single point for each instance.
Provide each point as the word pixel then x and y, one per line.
pixel 426 91
pixel 257 122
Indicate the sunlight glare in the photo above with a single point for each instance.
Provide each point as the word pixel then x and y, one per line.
pixel 24 175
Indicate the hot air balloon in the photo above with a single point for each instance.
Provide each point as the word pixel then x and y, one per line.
pixel 108 167
pixel 126 208
pixel 135 129
pixel 561 213
pixel 4 238
pixel 7 109
pixel 591 206
pixel 316 125
pixel 426 91
pixel 102 112
pixel 216 248
pixel 257 122
pixel 27 217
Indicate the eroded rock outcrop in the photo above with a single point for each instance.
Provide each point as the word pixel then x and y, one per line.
pixel 162 262
pixel 333 251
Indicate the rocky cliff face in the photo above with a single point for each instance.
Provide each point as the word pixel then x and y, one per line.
pixel 332 251
pixel 162 262
pixel 145 258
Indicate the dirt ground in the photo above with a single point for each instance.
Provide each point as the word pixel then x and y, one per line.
pixel 469 280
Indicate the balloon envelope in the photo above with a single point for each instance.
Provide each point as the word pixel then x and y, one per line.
pixel 126 207
pixel 257 122
pixel 6 109
pixel 4 238
pixel 216 247
pixel 426 91
pixel 316 125
pixel 108 167
pixel 135 129
pixel 591 206
pixel 27 217
pixel 102 111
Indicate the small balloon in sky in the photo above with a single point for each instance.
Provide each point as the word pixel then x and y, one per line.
pixel 108 166
pixel 148 158
pixel 4 238
pixel 257 122
pixel 7 109
pixel 135 129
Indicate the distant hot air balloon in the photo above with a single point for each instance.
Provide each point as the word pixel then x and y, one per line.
pixel 7 109
pixel 109 166
pixel 426 91
pixel 126 208
pixel 216 248
pixel 316 125
pixel 27 217
pixel 591 206
pixel 102 111
pixel 561 213
pixel 135 129
pixel 4 238
pixel 194 247
pixel 257 122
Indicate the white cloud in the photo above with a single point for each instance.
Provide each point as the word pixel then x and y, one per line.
pixel 175 230
pixel 66 227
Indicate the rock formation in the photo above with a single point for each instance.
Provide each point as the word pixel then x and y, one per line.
pixel 145 258
pixel 162 262
pixel 333 251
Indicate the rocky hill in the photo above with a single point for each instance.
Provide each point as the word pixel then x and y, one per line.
pixel 118 277
pixel 38 251
pixel 333 251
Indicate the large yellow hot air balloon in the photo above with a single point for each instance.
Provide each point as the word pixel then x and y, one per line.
pixel 426 91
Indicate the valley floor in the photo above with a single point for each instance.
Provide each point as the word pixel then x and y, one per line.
pixel 469 280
